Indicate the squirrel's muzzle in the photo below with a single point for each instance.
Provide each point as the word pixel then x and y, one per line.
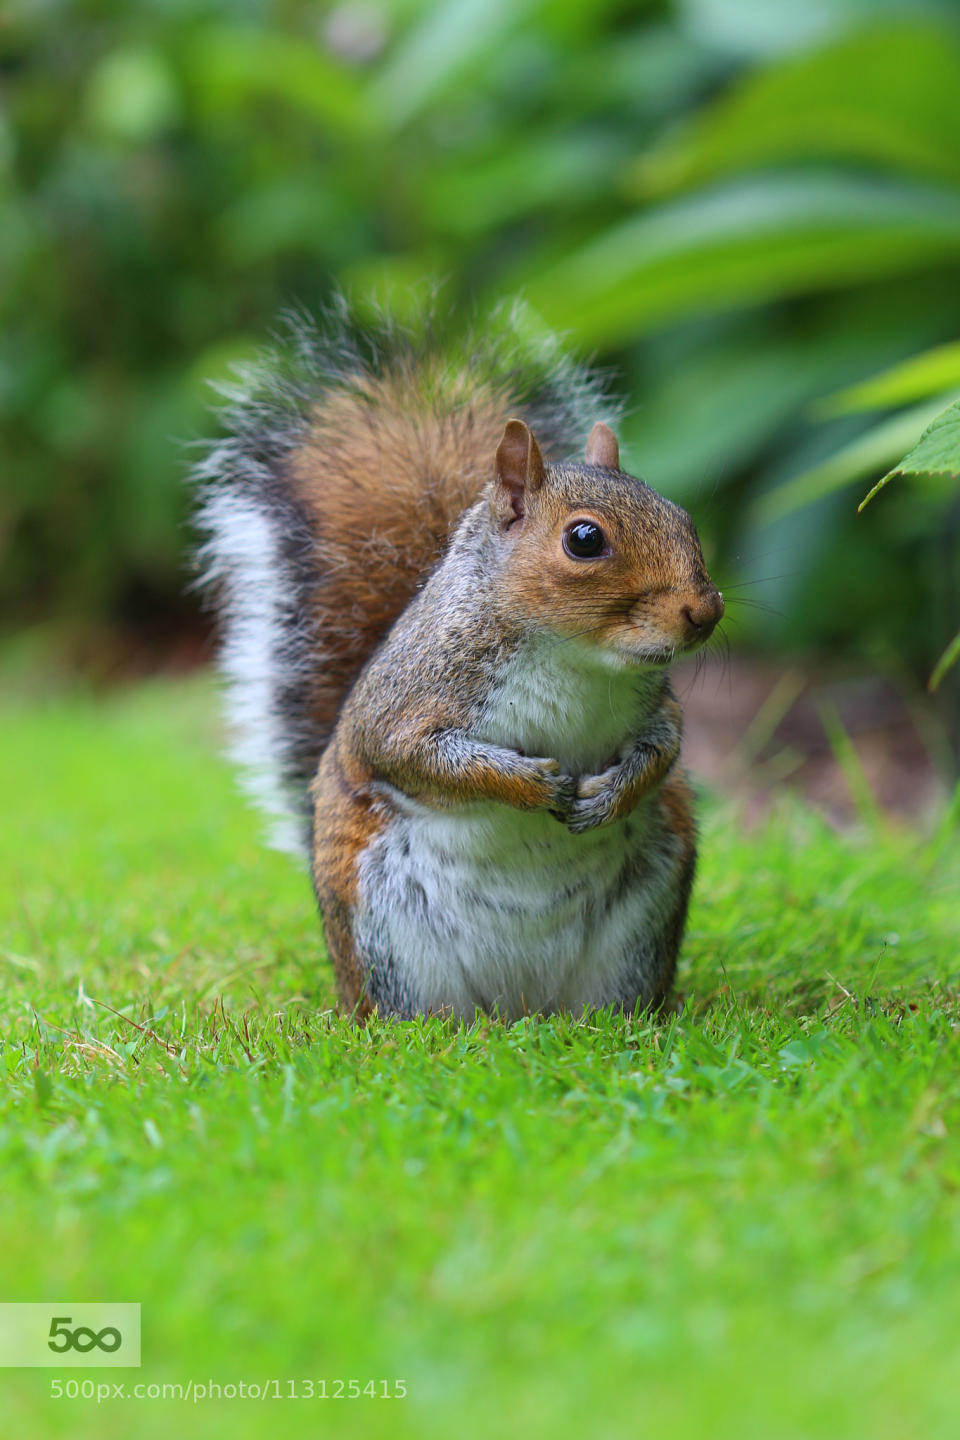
pixel 701 615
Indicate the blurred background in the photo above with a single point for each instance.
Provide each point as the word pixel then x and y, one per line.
pixel 751 212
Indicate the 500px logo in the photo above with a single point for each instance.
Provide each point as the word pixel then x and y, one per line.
pixel 83 1338
pixel 70 1332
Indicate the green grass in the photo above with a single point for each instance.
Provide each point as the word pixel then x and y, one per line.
pixel 743 1221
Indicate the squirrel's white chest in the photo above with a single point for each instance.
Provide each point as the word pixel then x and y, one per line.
pixel 565 699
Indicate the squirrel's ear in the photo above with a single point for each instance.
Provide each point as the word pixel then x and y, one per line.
pixel 520 471
pixel 602 447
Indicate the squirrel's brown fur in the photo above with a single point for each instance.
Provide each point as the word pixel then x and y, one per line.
pixel 383 479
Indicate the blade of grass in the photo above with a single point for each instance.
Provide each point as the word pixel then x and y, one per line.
pixel 949 657
pixel 845 754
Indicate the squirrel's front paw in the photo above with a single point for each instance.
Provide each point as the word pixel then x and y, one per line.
pixel 612 794
pixel 598 800
pixel 617 790
pixel 553 791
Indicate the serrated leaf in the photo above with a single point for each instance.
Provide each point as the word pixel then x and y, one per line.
pixel 937 452
pixel 938 449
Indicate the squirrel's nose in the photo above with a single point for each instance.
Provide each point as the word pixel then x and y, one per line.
pixel 702 615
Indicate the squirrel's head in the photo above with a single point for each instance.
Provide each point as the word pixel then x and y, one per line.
pixel 598 553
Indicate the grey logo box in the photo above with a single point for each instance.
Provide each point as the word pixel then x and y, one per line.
pixel 69 1332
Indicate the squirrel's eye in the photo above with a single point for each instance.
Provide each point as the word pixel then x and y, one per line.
pixel 583 540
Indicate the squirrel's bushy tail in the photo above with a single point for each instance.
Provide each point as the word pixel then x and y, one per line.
pixel 351 448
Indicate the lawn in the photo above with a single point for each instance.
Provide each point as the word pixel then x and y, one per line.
pixel 741 1220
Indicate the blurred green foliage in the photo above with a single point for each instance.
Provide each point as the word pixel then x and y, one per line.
pixel 745 208
pixel 936 455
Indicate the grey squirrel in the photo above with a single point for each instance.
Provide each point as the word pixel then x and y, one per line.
pixel 446 646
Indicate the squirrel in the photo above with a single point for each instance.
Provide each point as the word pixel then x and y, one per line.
pixel 446 646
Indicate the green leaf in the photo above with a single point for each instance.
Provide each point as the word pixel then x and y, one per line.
pixel 867 453
pixel 228 66
pixel 131 95
pixel 949 657
pixel 930 373
pixel 707 408
pixel 451 39
pixel 514 183
pixel 725 398
pixel 888 96
pixel 752 241
pixel 937 452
